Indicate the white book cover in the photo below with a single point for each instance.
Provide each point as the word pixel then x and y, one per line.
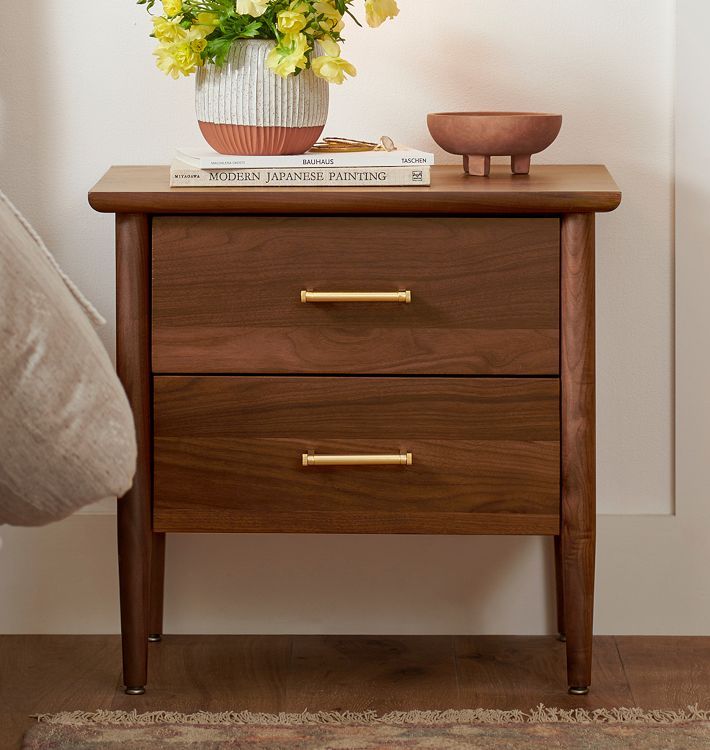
pixel 206 158
pixel 182 175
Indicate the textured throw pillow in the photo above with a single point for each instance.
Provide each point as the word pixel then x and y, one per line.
pixel 67 436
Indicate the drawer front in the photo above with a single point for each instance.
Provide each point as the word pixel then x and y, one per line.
pixel 228 454
pixel 227 295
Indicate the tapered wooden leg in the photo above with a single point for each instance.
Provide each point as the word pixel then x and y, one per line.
pixel 134 514
pixel 578 445
pixel 559 590
pixel 134 576
pixel 157 578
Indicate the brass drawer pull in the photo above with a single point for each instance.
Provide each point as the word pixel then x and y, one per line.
pixel 405 297
pixel 398 459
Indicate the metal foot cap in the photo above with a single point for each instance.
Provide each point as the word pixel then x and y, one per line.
pixel 135 690
pixel 155 638
pixel 579 690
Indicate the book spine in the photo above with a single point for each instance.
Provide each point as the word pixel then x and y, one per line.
pixel 322 161
pixel 333 177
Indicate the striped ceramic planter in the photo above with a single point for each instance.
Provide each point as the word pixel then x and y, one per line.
pixel 245 108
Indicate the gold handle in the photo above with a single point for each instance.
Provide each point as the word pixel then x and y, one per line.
pixel 405 297
pixel 399 459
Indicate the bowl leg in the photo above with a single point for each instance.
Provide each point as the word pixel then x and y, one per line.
pixel 520 164
pixel 479 166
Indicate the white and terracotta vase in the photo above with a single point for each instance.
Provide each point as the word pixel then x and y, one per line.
pixel 245 108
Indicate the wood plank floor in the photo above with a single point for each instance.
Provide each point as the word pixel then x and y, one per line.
pixel 284 673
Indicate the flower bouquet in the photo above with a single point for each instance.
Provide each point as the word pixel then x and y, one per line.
pixel 263 66
pixel 191 33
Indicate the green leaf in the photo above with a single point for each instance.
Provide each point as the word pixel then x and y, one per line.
pixel 217 50
pixel 251 30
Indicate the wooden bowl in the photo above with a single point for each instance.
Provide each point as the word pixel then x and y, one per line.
pixel 479 135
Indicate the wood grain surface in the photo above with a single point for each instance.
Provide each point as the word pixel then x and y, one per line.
pixel 493 665
pixel 336 408
pixel 228 454
pixel 325 669
pixel 548 189
pixel 134 509
pixel 342 672
pixel 668 667
pixel 227 295
pixel 577 364
pixel 559 587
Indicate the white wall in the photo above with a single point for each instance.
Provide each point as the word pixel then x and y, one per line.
pixel 92 97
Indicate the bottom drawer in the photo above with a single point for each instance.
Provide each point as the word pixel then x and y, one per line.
pixel 229 455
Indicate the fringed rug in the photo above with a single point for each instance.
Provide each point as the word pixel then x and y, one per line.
pixel 541 729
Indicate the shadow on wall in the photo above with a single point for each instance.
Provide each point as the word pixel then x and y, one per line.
pixel 376 585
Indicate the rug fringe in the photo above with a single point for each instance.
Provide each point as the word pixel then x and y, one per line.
pixel 541 714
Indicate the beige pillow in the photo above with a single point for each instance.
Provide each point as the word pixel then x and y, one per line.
pixel 67 437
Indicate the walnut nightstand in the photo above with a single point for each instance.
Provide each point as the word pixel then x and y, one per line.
pixel 359 360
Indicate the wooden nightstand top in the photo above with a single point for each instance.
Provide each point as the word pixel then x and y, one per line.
pixel 548 189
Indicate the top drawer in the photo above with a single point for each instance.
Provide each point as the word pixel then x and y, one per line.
pixel 484 295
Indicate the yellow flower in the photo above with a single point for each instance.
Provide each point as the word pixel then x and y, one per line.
pixel 378 11
pixel 329 47
pixel 178 58
pixel 333 21
pixel 331 66
pixel 206 23
pixel 253 8
pixel 167 31
pixel 172 7
pixel 285 58
pixel 290 22
pixel 207 19
pixel 196 37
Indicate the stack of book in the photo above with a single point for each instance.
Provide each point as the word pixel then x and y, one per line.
pixel 193 167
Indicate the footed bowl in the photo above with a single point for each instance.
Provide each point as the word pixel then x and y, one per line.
pixel 479 135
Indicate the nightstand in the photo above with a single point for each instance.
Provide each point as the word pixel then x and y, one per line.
pixel 359 360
